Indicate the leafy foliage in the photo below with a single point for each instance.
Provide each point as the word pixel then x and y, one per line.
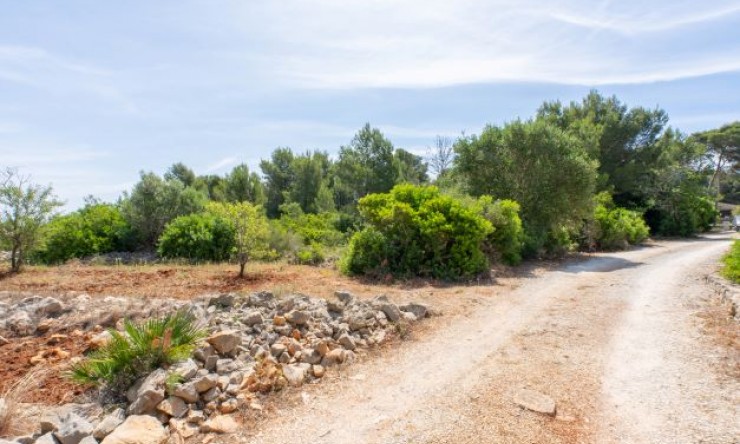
pixel 614 228
pixel 251 229
pixel 731 268
pixel 507 239
pixel 24 208
pixel 154 202
pixel 138 350
pixel 415 230
pixel 94 229
pixel 547 171
pixel 199 236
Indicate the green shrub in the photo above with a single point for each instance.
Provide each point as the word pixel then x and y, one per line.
pixel 416 231
pixel 731 268
pixel 684 214
pixel 201 236
pixel 94 229
pixel 310 255
pixel 312 228
pixel 140 349
pixel 614 228
pixel 506 240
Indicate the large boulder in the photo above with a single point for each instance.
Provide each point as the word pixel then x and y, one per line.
pixel 138 429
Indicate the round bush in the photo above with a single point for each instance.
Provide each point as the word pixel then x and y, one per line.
pixel 198 237
pixel 416 231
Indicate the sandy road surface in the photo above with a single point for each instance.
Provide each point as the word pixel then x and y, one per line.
pixel 612 339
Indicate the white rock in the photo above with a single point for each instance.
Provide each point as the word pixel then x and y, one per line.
pixel 138 429
pixel 109 423
pixel 535 401
pixel 225 341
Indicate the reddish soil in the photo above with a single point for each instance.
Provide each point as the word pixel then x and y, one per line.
pixel 52 352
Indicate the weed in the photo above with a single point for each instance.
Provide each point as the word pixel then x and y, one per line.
pixel 12 418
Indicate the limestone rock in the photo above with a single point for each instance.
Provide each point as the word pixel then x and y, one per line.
pixel 186 391
pixel 392 312
pixel 205 383
pixel 347 342
pixel 138 429
pixel 220 424
pixel 225 341
pixel 173 406
pixel 109 423
pixel 149 394
pixel 73 429
pixel 535 401
pixel 295 374
pixel 298 317
pixel 187 369
pixel 419 310
pixel 253 318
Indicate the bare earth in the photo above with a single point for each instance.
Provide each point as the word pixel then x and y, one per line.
pixel 615 340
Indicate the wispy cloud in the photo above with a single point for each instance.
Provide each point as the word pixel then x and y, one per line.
pixel 344 45
pixel 221 164
pixel 41 69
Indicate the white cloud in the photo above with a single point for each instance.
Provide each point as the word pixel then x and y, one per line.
pixel 344 44
pixel 40 69
pixel 221 164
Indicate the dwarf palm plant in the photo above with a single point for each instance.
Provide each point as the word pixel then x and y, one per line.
pixel 140 349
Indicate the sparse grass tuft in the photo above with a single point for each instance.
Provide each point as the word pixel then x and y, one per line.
pixel 140 349
pixel 12 418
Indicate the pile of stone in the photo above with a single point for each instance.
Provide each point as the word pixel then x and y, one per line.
pixel 257 344
pixel 26 315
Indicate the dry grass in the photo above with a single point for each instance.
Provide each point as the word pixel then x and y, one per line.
pixel 724 331
pixel 13 421
pixel 187 281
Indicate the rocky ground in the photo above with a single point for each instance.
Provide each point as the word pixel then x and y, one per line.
pixel 258 344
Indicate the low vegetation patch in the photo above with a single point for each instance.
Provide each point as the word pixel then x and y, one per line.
pixel 731 268
pixel 138 350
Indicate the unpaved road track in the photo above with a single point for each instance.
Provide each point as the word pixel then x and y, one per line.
pixel 614 340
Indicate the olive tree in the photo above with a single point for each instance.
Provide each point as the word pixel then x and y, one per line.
pixel 250 226
pixel 24 208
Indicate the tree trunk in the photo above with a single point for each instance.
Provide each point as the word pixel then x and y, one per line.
pixel 15 264
pixel 241 268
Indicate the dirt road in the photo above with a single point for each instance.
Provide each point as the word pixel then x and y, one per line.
pixel 614 340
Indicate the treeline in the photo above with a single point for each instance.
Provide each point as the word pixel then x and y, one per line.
pixel 593 174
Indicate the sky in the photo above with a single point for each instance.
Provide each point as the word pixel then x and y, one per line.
pixel 93 92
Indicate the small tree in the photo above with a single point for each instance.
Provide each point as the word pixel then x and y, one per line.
pixel 251 229
pixel 24 208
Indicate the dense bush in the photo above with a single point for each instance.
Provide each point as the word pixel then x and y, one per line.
pixel 94 229
pixel 312 228
pixel 418 231
pixel 684 214
pixel 312 254
pixel 140 349
pixel 543 168
pixel 200 236
pixel 506 240
pixel 614 228
pixel 731 269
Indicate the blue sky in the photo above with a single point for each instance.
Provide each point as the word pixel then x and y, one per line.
pixel 92 92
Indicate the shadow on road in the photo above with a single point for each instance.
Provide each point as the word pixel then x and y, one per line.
pixel 601 265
